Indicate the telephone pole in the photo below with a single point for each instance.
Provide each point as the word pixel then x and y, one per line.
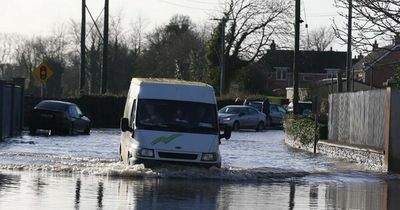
pixel 296 59
pixel 222 59
pixel 83 48
pixel 105 49
pixel 349 56
pixel 222 55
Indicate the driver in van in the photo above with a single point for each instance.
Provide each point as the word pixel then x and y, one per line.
pixel 151 115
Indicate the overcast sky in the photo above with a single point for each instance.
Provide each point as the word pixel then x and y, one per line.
pixel 40 17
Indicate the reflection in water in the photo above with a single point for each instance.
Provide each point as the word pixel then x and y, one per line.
pixel 100 196
pixel 39 185
pixel 291 195
pixel 392 194
pixel 176 194
pixel 8 181
pixel 77 193
pixel 368 196
pixel 92 192
pixel 314 196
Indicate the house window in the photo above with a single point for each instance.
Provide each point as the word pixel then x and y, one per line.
pixel 281 73
pixel 331 75
pixel 308 78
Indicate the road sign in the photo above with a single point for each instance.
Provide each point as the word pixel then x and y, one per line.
pixel 43 72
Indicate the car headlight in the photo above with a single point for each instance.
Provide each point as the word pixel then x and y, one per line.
pixel 145 152
pixel 209 157
pixel 226 119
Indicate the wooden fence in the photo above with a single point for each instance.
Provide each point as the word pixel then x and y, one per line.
pixel 358 118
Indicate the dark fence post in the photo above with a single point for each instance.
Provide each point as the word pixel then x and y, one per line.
pixel 21 83
pixel 12 111
pixel 1 110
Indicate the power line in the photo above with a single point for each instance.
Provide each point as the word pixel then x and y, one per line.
pixel 184 6
pixel 323 14
pixel 201 2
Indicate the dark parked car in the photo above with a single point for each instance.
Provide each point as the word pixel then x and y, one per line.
pixel 275 115
pixel 305 107
pixel 58 117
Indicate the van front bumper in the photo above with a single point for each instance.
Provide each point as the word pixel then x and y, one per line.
pixel 148 163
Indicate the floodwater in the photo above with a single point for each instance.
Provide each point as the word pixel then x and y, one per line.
pixel 258 172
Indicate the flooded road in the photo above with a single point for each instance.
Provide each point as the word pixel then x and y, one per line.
pixel 258 172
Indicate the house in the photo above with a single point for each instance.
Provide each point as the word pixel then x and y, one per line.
pixel 313 66
pixel 379 66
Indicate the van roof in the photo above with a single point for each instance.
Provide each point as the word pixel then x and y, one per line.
pixel 168 81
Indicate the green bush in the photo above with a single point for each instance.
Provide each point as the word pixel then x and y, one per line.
pixel 301 128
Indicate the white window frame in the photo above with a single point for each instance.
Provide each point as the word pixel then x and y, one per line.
pixel 281 73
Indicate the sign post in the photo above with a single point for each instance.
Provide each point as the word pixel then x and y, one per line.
pixel 42 73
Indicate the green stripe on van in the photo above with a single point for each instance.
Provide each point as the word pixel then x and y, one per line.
pixel 165 139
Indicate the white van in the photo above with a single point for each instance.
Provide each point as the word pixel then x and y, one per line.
pixel 169 120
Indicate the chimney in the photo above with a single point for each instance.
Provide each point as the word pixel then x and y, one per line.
pixel 375 46
pixel 273 45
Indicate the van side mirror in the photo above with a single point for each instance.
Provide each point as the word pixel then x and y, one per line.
pixel 124 124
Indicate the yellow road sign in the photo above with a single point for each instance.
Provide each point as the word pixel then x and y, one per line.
pixel 43 72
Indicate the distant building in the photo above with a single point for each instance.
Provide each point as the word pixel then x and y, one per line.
pixel 313 66
pixel 379 66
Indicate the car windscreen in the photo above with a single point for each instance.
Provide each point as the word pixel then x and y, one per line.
pixel 230 110
pixel 53 106
pixel 178 116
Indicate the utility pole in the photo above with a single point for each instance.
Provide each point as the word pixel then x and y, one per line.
pixel 222 56
pixel 349 56
pixel 222 59
pixel 83 48
pixel 296 59
pixel 105 49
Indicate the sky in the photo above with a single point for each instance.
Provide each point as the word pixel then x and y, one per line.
pixel 41 17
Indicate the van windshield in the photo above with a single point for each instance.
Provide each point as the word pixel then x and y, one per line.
pixel 179 116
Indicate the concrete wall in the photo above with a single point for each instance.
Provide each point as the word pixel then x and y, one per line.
pixel 369 159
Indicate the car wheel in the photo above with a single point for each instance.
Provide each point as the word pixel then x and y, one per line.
pixel 260 126
pixel 236 126
pixel 268 122
pixel 71 129
pixel 87 130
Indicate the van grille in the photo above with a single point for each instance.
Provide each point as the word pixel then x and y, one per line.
pixel 177 156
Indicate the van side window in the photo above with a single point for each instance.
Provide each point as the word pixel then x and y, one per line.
pixel 133 114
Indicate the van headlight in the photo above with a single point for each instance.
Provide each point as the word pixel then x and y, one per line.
pixel 145 152
pixel 209 157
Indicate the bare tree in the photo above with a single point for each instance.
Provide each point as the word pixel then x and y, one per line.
pixel 7 49
pixel 318 39
pixel 254 23
pixel 137 34
pixel 373 19
pixel 251 27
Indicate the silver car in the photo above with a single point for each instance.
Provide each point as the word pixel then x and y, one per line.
pixel 240 116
